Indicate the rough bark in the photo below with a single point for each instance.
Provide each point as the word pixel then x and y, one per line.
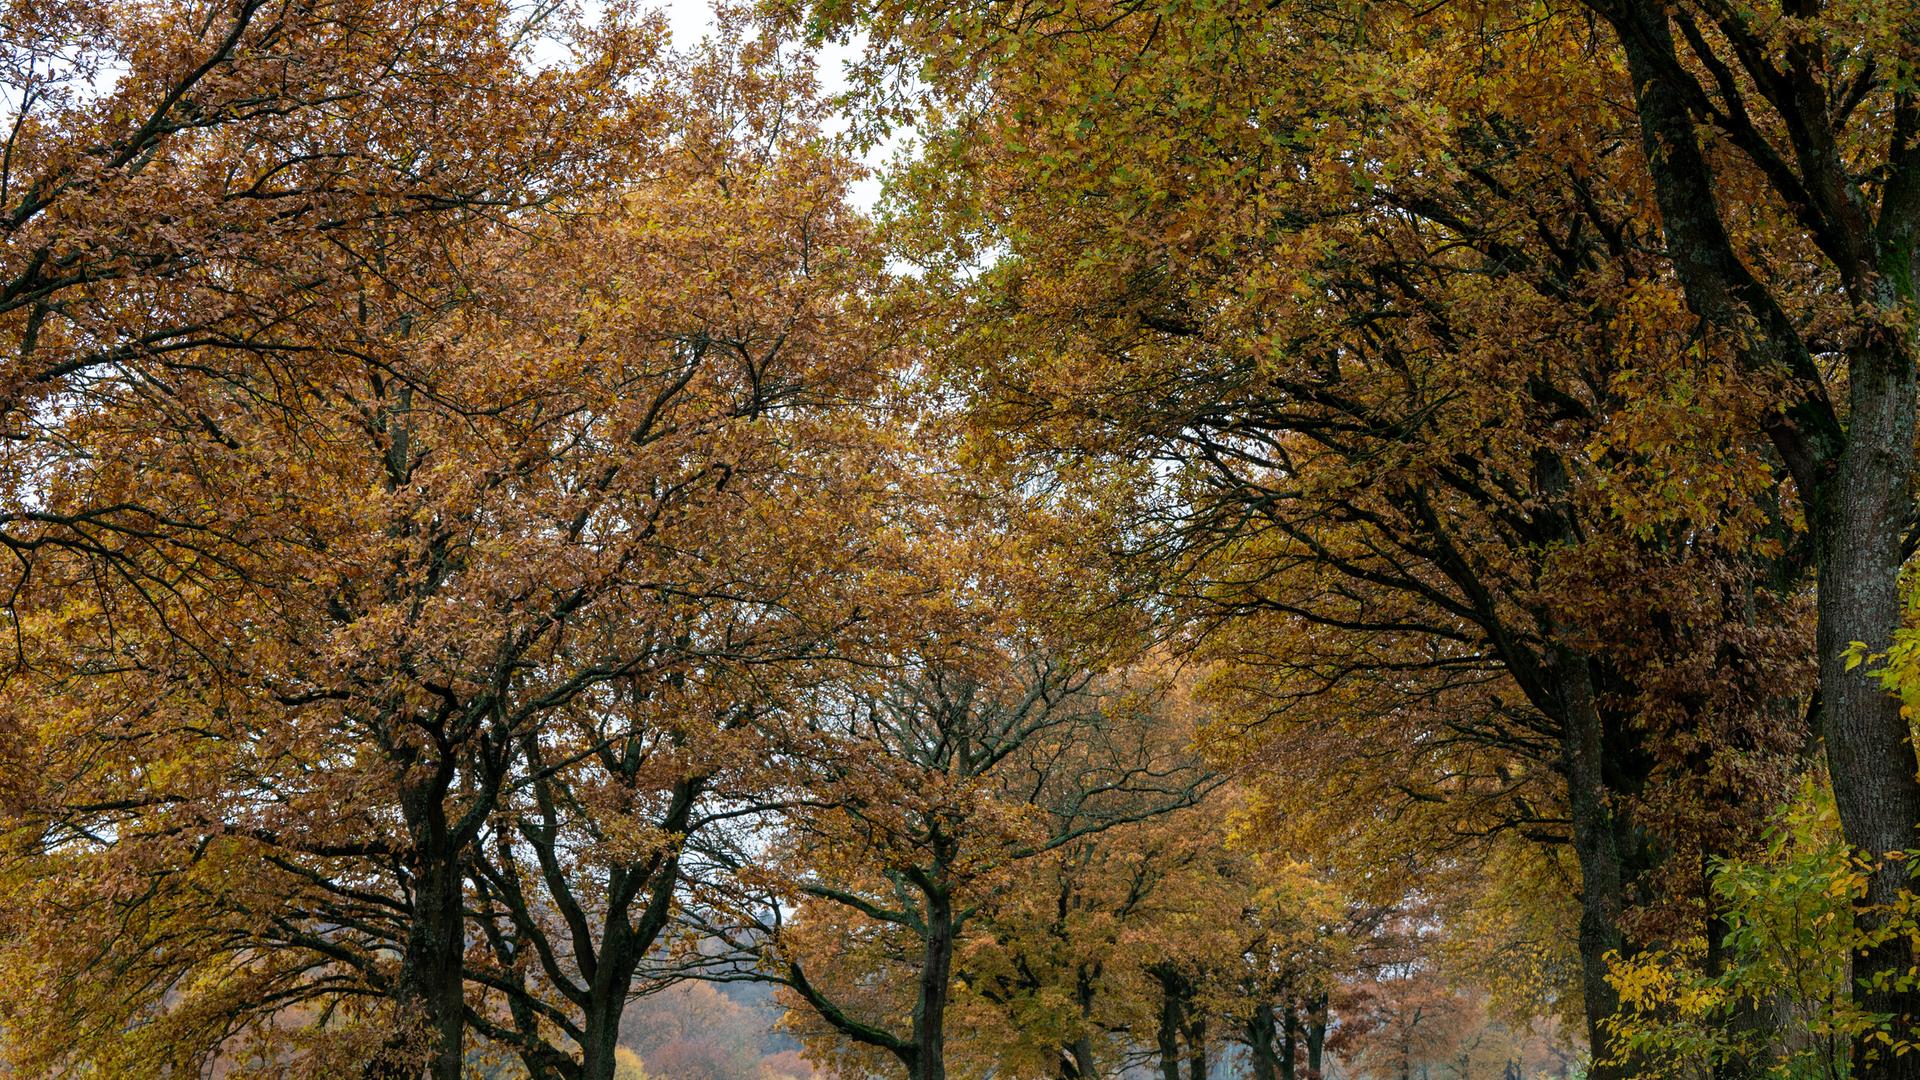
pixel 936 974
pixel 429 994
pixel 1596 846
pixel 1855 483
pixel 1172 1021
pixel 1869 755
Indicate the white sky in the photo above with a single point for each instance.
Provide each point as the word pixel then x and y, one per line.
pixel 689 19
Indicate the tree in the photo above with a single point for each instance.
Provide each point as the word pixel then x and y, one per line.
pixel 493 538
pixel 692 1030
pixel 933 791
pixel 1775 156
pixel 1814 118
pixel 236 193
pixel 594 475
pixel 1415 1022
pixel 1053 978
pixel 576 892
pixel 1406 399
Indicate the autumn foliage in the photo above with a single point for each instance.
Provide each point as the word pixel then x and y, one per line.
pixel 1295 539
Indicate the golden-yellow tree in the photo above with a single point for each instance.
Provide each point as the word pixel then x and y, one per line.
pixel 430 591
pixel 1363 321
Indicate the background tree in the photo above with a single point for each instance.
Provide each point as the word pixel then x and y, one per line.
pixel 941 786
pixel 1052 978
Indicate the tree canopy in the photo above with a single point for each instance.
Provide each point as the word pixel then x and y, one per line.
pixel 1294 539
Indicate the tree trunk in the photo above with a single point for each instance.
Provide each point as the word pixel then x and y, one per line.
pixel 936 973
pixel 1596 845
pixel 1077 1057
pixel 1316 1035
pixel 1260 1043
pixel 1289 1042
pixel 601 1030
pixel 607 990
pixel 1869 752
pixel 1197 1048
pixel 1170 1023
pixel 1076 1060
pixel 429 995
pixel 625 942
